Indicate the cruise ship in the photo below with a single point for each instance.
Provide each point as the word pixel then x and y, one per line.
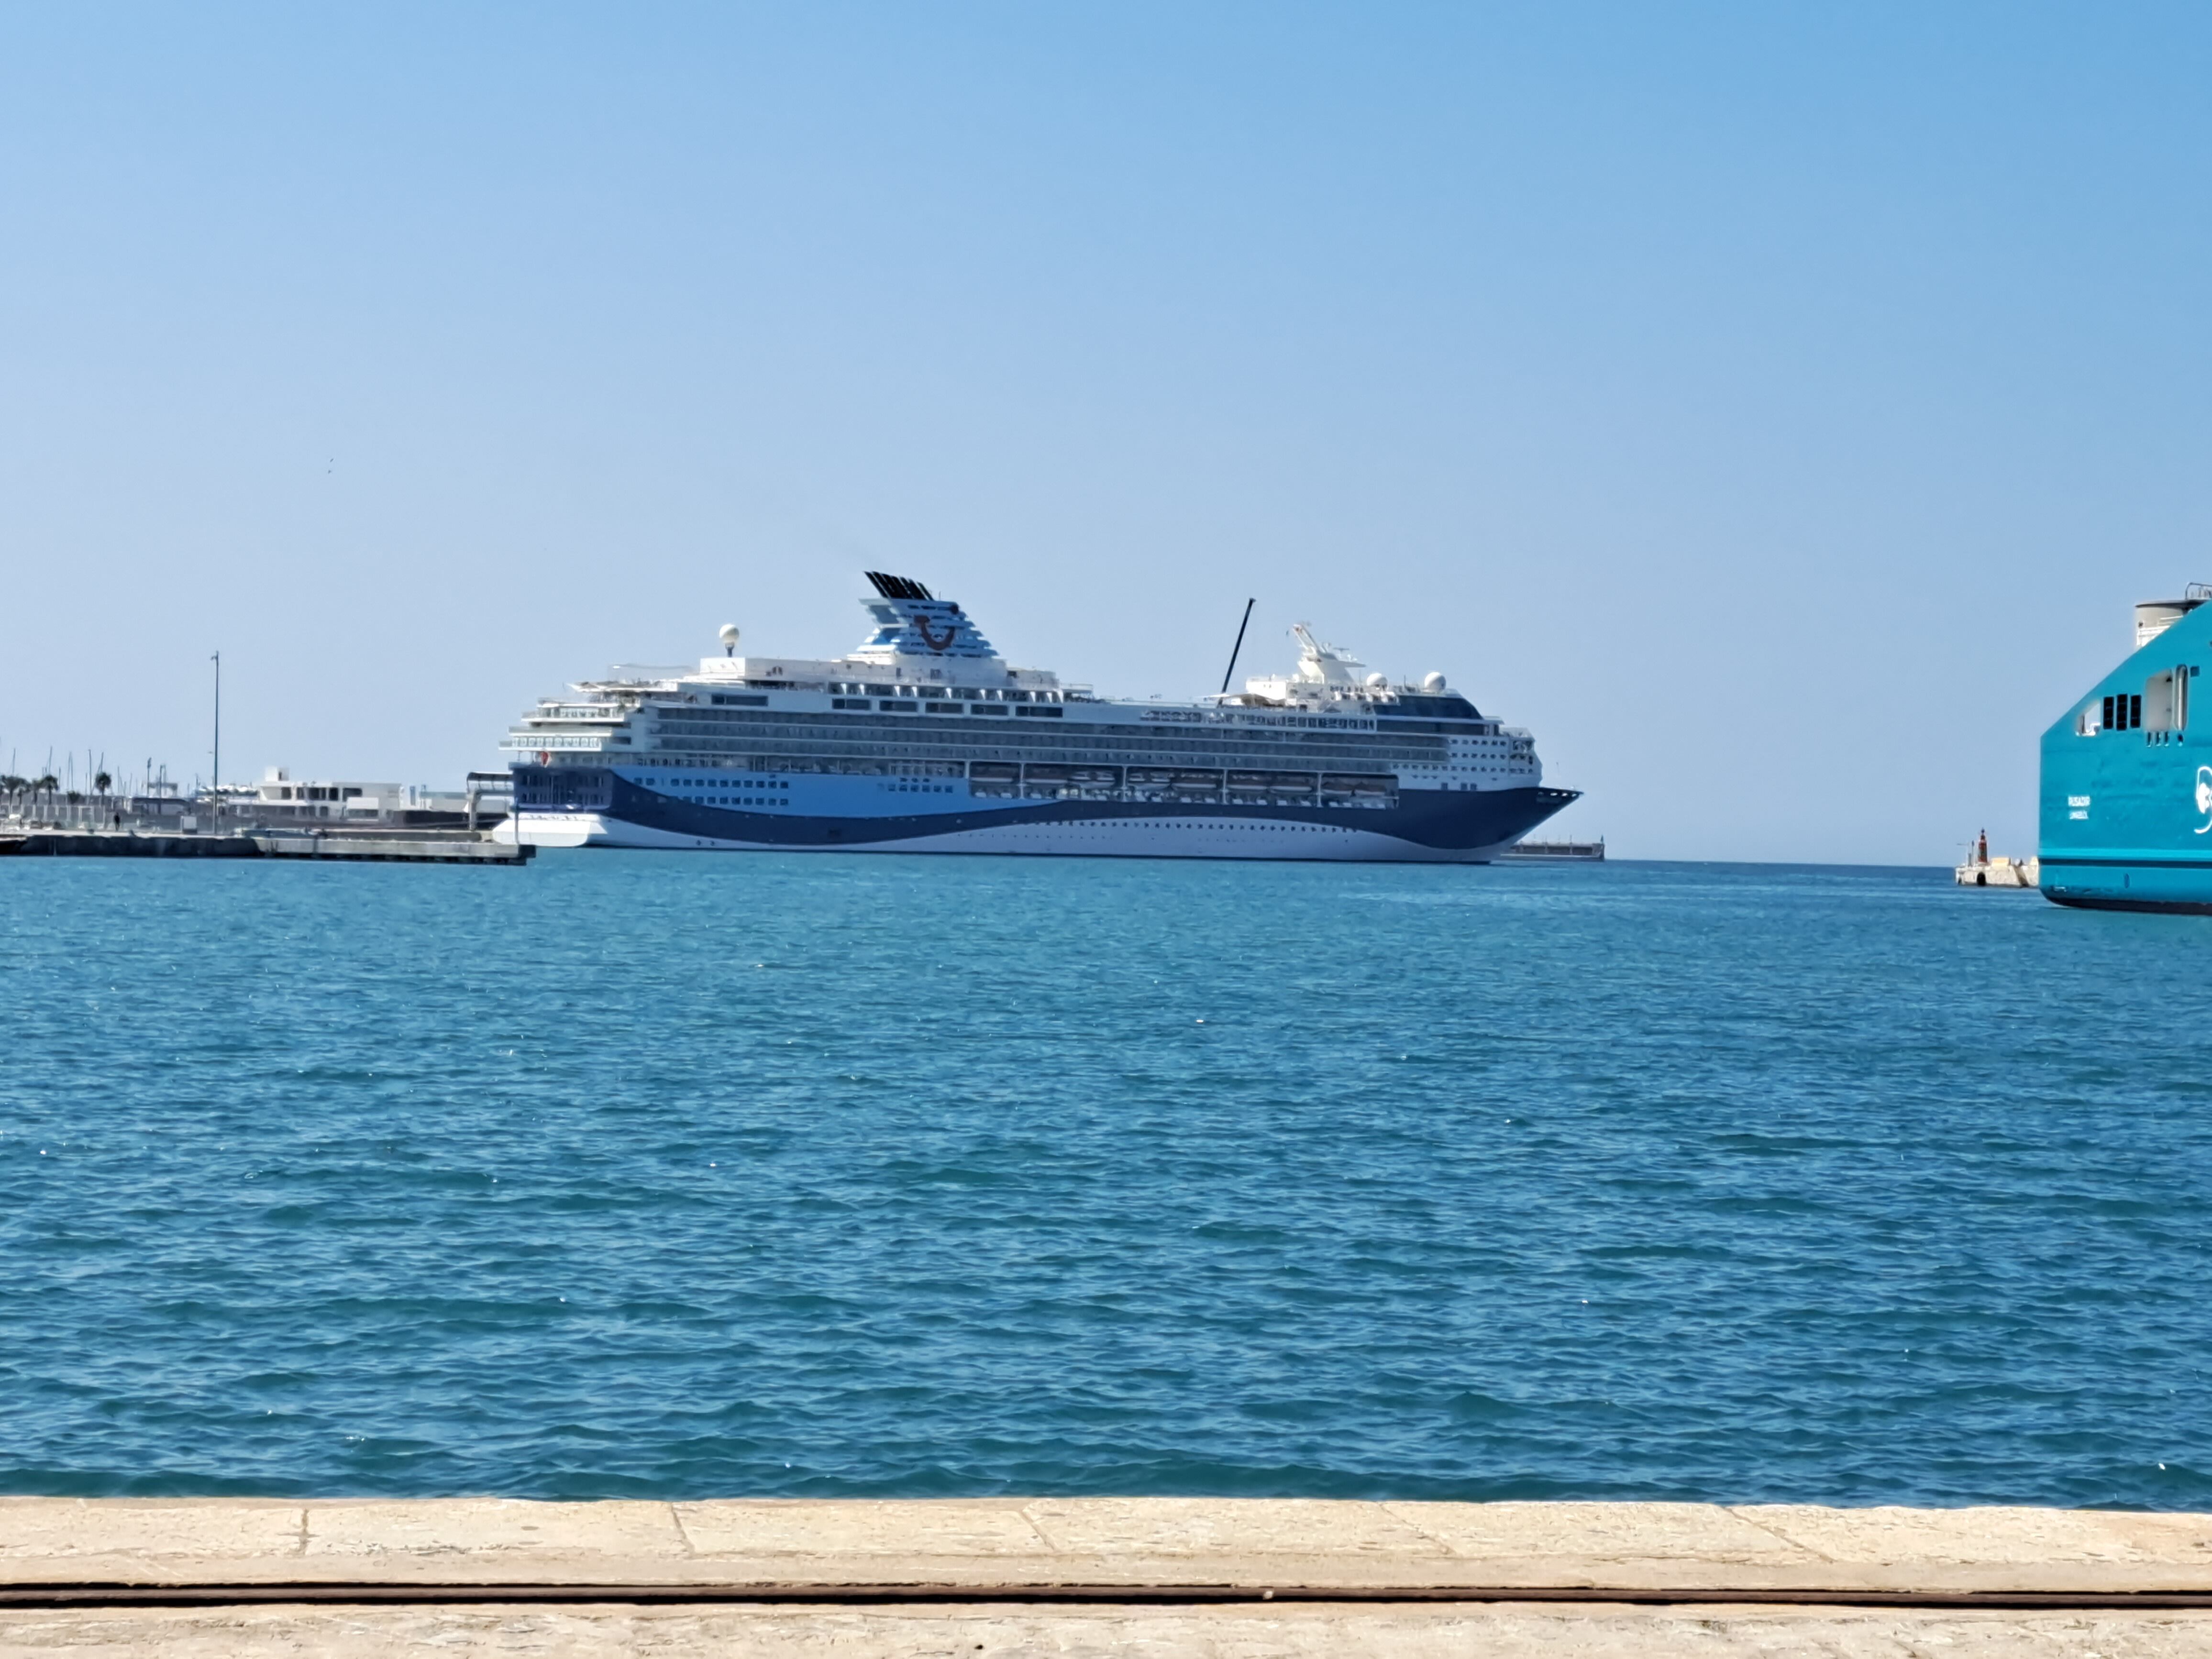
pixel 2125 814
pixel 924 740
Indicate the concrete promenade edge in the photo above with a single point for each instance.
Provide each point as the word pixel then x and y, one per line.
pixel 1000 1545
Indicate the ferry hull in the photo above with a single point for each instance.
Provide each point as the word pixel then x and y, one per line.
pixel 2130 880
pixel 2125 808
pixel 1426 826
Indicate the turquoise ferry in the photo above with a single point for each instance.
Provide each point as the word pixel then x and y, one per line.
pixel 2126 808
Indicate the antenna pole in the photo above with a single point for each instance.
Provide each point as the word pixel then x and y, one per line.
pixel 1236 650
pixel 217 811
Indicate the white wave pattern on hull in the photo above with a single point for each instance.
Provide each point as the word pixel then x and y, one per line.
pixel 1136 838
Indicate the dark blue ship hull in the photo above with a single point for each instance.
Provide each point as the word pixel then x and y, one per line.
pixel 1431 823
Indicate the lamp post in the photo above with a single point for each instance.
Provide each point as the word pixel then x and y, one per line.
pixel 217 812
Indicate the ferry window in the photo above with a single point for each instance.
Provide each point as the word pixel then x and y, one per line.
pixel 2135 711
pixel 898 707
pixel 849 703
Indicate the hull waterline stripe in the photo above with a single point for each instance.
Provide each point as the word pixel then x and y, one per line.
pixel 2098 901
pixel 2126 862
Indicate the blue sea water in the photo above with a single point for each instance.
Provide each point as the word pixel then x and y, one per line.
pixel 677 1174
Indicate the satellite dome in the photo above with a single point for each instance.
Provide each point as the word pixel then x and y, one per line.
pixel 729 633
pixel 1378 681
pixel 1433 681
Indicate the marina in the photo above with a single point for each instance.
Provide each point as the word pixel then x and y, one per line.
pixel 278 818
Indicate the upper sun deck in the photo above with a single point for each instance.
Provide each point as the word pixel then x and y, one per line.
pixel 1328 679
pixel 917 640
pixel 926 657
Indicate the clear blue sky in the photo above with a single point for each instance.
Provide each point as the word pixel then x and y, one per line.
pixel 1778 408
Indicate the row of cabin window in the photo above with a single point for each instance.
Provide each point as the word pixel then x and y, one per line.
pixel 939 693
pixel 814 749
pixel 903 706
pixel 972 693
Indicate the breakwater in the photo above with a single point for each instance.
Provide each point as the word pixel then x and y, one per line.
pixel 355 846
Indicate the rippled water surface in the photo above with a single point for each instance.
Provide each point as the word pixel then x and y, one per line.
pixel 668 1174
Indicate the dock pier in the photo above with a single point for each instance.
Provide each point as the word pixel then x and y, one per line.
pixel 365 845
pixel 122 844
pixel 1169 1577
pixel 1568 852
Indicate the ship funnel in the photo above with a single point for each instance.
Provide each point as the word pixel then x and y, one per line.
pixel 2154 617
pixel 911 623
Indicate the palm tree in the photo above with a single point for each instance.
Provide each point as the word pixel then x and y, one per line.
pixel 100 781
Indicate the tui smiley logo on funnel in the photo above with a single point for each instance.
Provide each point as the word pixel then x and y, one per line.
pixel 2204 796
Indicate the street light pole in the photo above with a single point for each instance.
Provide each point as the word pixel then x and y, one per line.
pixel 217 813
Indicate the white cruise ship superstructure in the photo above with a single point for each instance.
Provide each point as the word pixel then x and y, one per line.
pixel 924 740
